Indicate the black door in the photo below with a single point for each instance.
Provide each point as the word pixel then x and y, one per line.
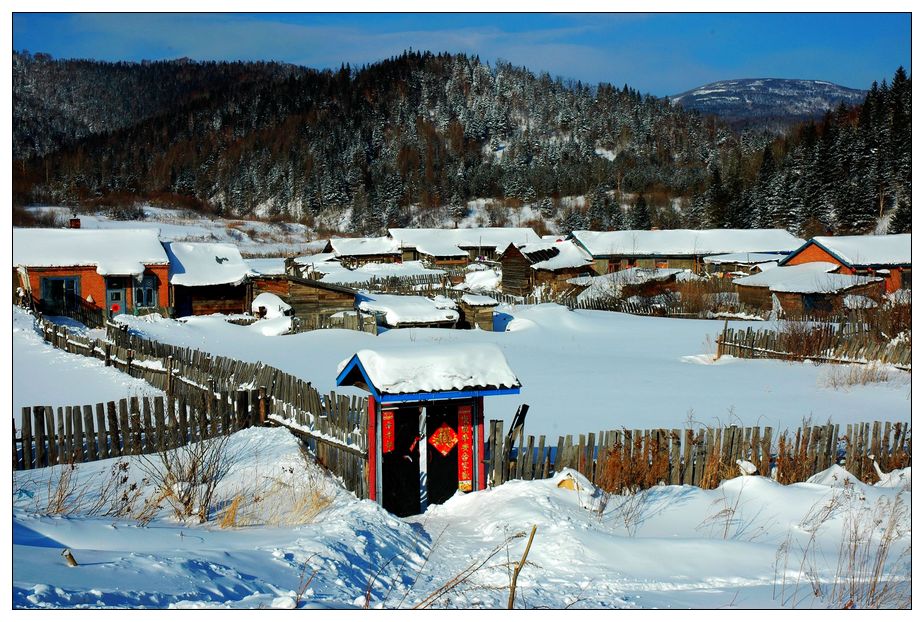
pixel 401 465
pixel 442 469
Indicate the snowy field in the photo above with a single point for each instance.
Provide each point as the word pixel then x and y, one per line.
pixel 252 237
pixel 585 371
pixel 300 540
pixel 46 376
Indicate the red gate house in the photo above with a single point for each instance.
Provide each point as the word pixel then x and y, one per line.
pixel 426 418
pixel 886 256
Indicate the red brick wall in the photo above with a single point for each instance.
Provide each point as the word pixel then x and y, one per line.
pixel 93 284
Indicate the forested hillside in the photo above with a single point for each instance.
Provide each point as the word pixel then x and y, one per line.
pixel 423 134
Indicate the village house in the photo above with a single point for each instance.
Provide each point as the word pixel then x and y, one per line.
pixel 394 311
pixel 481 243
pixel 311 301
pixel 550 264
pixel 91 271
pixel 733 265
pixel 678 248
pixel 207 278
pixel 477 310
pixel 810 288
pixel 888 256
pixel 352 252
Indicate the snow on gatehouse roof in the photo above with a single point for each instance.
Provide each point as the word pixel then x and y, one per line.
pixel 864 250
pixel 196 264
pixel 431 371
pixel 113 252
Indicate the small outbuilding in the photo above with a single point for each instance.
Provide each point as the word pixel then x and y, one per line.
pixel 394 311
pixel 477 310
pixel 548 264
pixel 426 418
pixel 886 256
pixel 206 278
pixel 352 252
pixel 809 288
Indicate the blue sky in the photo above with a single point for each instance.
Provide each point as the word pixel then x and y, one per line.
pixel 661 54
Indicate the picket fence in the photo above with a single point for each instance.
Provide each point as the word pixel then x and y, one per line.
pixel 822 344
pixel 618 459
pixel 333 425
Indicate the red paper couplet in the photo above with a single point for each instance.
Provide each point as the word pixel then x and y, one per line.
pixel 388 431
pixel 465 448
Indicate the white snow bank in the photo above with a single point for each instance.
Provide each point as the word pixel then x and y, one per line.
pixel 486 280
pixel 122 252
pixel 404 310
pixel 196 264
pixel 435 367
pixel 806 278
pixel 687 242
pixel 275 306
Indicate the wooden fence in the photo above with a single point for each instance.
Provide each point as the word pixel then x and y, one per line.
pixel 136 426
pixel 821 344
pixel 637 459
pixel 332 424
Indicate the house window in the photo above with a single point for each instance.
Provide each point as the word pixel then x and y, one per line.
pixel 146 293
pixel 60 292
pixel 906 279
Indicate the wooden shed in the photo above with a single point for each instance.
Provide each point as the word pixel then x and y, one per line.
pixel 549 264
pixel 353 252
pixel 811 288
pixel 311 301
pixel 475 310
pixel 426 418
pixel 207 278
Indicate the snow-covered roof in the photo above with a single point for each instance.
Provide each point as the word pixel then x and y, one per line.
pixel 335 273
pixel 113 252
pixel 816 277
pixel 865 250
pixel 684 242
pixel 267 265
pixel 438 248
pixel 474 300
pixel 568 255
pixel 357 247
pixel 405 310
pixel 195 264
pixel 744 258
pixel 431 368
pixel 482 237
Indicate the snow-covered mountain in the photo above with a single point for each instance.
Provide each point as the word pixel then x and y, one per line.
pixel 767 100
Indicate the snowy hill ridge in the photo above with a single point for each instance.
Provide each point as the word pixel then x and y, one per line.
pixel 777 98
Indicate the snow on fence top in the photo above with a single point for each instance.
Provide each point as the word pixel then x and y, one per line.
pixel 357 247
pixel 815 277
pixel 113 252
pixel 404 310
pixel 498 238
pixel 865 250
pixel 429 368
pixel 744 258
pixel 195 264
pixel 686 242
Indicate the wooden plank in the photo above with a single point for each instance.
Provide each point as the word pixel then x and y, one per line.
pixel 78 435
pixel 89 432
pixel 240 410
pixel 688 445
pixel 182 430
pixel 160 426
pixel 68 434
pixel 26 437
pixel 527 473
pixel 540 470
pixel 115 444
pixel 102 446
pixel 497 452
pixel 135 423
pixel 148 441
pixel 675 457
pixel 125 426
pixel 60 446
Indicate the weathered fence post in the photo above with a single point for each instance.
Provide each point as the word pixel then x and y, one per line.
pixel 261 397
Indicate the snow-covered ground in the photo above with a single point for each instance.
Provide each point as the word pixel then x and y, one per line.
pixel 46 376
pixel 252 237
pixel 586 371
pixel 300 540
